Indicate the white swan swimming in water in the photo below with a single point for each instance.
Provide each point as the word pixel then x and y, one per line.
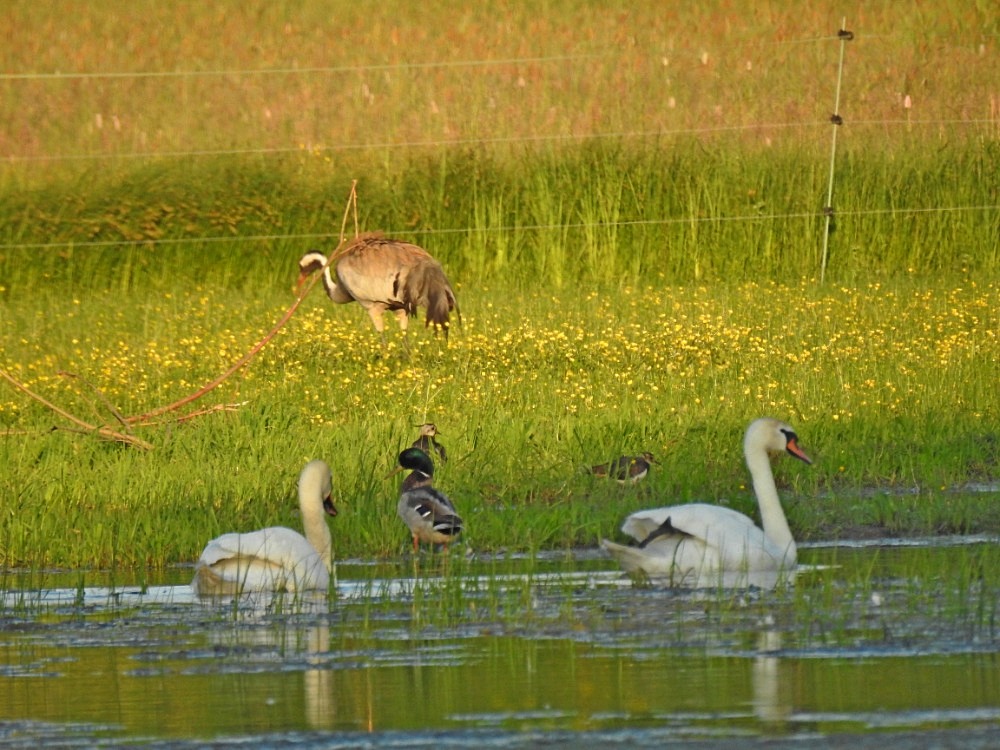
pixel 275 558
pixel 701 545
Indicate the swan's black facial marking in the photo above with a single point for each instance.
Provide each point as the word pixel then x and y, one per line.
pixel 792 446
pixel 329 507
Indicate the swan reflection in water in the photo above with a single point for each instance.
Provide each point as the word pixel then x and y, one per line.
pixel 320 704
pixel 772 701
pixel 258 626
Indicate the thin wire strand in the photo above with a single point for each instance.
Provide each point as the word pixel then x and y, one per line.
pixel 58 76
pixel 341 147
pixel 419 144
pixel 484 230
pixel 335 69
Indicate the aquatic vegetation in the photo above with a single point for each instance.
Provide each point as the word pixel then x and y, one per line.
pixel 519 647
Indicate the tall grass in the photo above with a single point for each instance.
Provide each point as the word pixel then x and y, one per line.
pixel 346 76
pixel 596 214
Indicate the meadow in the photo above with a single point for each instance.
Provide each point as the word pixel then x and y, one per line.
pixel 891 387
pixel 631 216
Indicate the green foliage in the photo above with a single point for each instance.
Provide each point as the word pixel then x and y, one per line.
pixel 632 277
pixel 595 215
pixel 528 392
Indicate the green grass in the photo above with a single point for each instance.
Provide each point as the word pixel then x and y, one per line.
pixel 528 392
pixel 650 290
pixel 596 214
pixel 635 69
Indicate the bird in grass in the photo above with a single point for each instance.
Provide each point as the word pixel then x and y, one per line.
pixel 427 512
pixel 382 274
pixel 626 469
pixel 427 443
pixel 698 544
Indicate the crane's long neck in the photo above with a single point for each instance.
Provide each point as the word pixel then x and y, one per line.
pixel 333 290
pixel 314 522
pixel 772 515
pixel 313 261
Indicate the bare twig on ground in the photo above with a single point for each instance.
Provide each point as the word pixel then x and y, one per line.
pixel 148 419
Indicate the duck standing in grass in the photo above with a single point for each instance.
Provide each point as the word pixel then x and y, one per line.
pixel 626 469
pixel 428 513
pixel 428 444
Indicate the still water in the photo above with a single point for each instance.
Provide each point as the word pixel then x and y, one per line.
pixel 886 644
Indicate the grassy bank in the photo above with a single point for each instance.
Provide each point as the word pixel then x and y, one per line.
pixel 891 387
pixel 628 202
pixel 159 79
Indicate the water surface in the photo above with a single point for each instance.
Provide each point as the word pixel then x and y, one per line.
pixel 885 642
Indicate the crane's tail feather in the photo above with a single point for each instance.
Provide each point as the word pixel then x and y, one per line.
pixel 426 286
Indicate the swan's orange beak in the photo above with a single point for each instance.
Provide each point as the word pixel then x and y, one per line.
pixel 329 507
pixel 794 449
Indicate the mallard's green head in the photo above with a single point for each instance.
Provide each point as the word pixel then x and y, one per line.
pixel 415 459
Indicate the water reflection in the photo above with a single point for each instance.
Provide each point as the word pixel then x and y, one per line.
pixel 289 626
pixel 771 695
pixel 525 651
pixel 321 706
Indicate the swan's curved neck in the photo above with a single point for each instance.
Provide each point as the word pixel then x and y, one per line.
pixel 314 523
pixel 772 515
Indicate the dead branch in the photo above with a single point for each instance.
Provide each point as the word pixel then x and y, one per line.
pixel 242 362
pixel 103 430
pixel 194 414
pixel 100 395
pixel 148 419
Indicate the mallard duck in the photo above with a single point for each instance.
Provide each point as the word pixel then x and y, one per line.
pixel 698 544
pixel 427 512
pixel 626 469
pixel 275 558
pixel 428 444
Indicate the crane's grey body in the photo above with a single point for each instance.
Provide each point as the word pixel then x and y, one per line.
pixel 382 275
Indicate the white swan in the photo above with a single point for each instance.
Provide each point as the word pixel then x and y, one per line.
pixel 275 558
pixel 700 545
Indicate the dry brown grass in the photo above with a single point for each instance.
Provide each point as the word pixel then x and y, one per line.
pixel 399 74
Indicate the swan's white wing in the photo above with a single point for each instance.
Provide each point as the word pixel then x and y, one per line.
pixel 272 559
pixel 732 540
pixel 699 543
pixel 693 519
pixel 656 562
